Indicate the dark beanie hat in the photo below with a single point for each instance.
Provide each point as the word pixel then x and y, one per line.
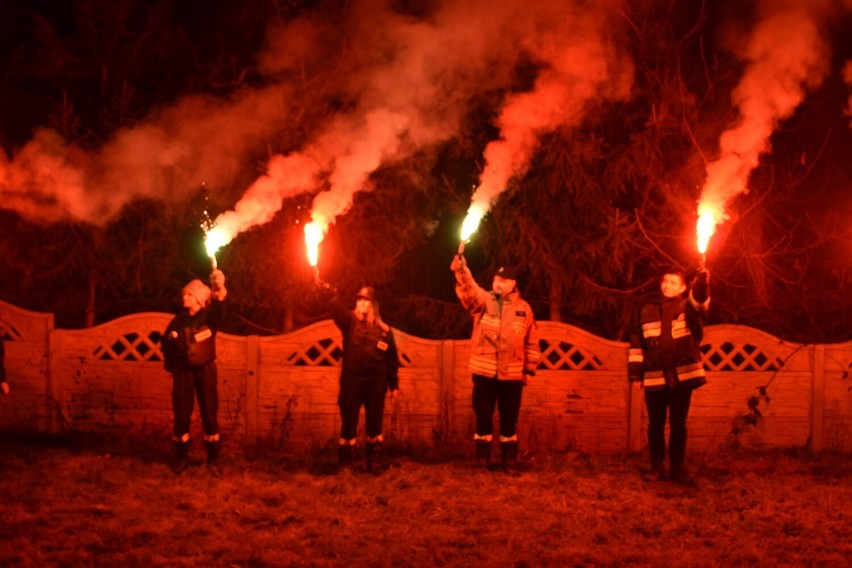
pixel 367 293
pixel 508 272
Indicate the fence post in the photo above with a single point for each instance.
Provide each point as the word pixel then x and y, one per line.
pixel 817 397
pixel 252 387
pixel 53 396
pixel 447 386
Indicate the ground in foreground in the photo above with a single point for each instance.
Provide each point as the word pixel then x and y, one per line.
pixel 73 503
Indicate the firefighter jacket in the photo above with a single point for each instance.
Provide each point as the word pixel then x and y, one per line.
pixel 665 341
pixel 504 343
pixel 190 340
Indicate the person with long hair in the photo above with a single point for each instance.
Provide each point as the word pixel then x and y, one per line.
pixel 369 373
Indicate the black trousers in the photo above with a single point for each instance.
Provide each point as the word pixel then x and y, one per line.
pixel 355 392
pixel 675 402
pixel 189 382
pixel 505 395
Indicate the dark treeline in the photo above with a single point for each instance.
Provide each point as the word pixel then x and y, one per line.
pixel 602 209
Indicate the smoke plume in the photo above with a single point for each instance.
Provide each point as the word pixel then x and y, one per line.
pixel 580 64
pixel 847 76
pixel 411 79
pixel 784 57
pixel 165 158
pixel 378 85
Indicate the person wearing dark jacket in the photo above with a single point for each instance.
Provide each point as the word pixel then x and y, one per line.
pixel 664 358
pixel 4 386
pixel 370 370
pixel 504 354
pixel 189 354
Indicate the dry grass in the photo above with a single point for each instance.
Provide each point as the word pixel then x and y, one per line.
pixel 85 502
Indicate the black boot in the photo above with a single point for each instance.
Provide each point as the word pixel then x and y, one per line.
pixel 344 456
pixel 373 455
pixel 181 460
pixel 213 458
pixel 679 475
pixel 483 453
pixel 656 471
pixel 508 455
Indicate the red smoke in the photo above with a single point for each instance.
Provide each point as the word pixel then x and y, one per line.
pixel 400 84
pixel 785 56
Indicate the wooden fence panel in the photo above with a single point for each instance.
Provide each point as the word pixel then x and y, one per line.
pixel 837 397
pixel 416 415
pixel 739 362
pixel 111 377
pixel 232 365
pixel 297 384
pixel 25 336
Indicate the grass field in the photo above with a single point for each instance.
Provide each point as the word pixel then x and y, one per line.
pixel 78 501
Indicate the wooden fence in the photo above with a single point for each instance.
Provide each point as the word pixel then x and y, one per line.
pixel 283 389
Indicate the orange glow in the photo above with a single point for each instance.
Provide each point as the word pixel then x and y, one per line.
pixel 314 234
pixel 215 239
pixel 706 226
pixel 471 222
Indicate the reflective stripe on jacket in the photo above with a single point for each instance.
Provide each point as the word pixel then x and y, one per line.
pixel 504 343
pixel 646 359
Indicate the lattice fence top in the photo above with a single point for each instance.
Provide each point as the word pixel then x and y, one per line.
pixel 745 357
pixel 321 353
pixel 563 356
pixel 328 352
pixel 131 347
pixel 8 331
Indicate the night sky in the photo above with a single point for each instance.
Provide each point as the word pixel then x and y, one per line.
pixel 589 134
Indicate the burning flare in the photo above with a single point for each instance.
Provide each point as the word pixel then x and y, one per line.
pixel 706 226
pixel 471 222
pixel 314 234
pixel 214 239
